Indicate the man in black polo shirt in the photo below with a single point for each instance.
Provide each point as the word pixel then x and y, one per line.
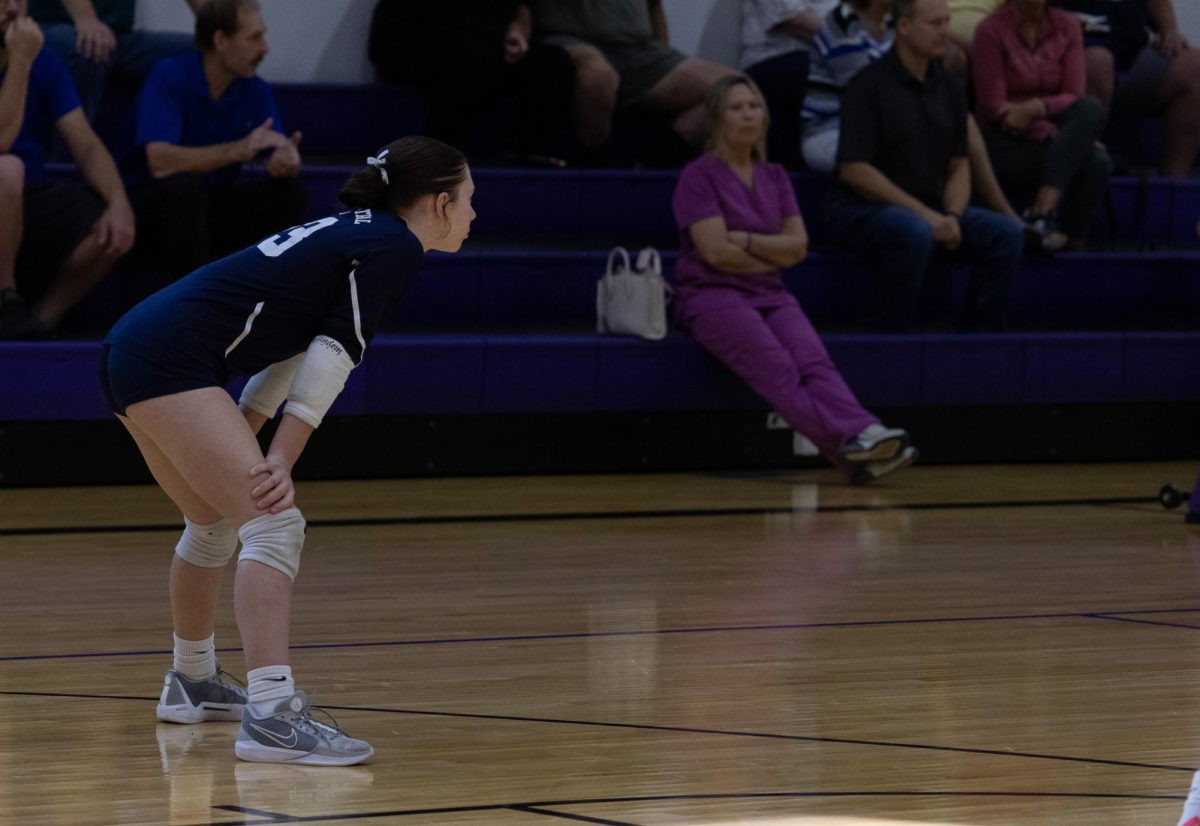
pixel 906 180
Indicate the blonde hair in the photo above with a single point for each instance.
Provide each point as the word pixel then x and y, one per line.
pixel 714 105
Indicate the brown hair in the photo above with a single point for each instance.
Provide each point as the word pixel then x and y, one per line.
pixel 714 104
pixel 219 16
pixel 415 166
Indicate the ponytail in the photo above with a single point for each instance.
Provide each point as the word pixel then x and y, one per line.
pixel 403 172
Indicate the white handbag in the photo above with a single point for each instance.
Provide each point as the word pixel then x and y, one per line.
pixel 633 301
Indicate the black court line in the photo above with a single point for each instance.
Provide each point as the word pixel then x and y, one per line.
pixel 650 632
pixel 794 738
pixel 576 516
pixel 538 810
pixel 1116 618
pixel 680 798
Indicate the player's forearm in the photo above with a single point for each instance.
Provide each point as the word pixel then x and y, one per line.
pixel 290 439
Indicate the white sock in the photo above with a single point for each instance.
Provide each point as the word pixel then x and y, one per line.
pixel 1191 809
pixel 268 685
pixel 195 659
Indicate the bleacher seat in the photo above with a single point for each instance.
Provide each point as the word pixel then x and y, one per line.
pixel 507 325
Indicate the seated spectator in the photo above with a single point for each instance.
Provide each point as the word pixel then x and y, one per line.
pixel 200 116
pixel 965 17
pixel 467 57
pixel 776 38
pixel 854 35
pixel 1041 130
pixel 906 181
pixel 1137 74
pixel 623 61
pixel 739 225
pixel 99 43
pixel 56 242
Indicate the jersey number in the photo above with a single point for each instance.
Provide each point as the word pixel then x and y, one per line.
pixel 277 245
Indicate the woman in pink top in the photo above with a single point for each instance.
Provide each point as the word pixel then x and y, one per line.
pixel 1040 128
pixel 739 225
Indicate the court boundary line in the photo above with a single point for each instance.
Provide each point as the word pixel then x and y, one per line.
pixel 580 516
pixel 718 629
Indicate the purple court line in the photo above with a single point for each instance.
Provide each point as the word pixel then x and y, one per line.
pixel 1110 615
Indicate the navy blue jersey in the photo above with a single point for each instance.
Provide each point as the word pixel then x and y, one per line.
pixel 334 277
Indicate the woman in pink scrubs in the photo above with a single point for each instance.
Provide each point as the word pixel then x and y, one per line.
pixel 739 226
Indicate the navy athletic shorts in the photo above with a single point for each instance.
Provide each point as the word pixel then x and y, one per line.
pixel 127 378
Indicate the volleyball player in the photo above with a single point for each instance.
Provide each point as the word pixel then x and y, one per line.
pixel 295 312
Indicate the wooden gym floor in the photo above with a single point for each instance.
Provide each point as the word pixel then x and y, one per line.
pixel 957 645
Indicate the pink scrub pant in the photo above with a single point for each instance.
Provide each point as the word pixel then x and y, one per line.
pixel 772 346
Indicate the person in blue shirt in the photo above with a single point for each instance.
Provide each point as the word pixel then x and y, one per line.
pixel 56 242
pixel 97 40
pixel 296 312
pixel 200 117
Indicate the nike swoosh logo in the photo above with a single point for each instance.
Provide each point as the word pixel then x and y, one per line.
pixel 287 744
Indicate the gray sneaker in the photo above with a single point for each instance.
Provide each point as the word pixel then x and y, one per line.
pixel 197 701
pixel 876 443
pixel 291 735
pixel 870 471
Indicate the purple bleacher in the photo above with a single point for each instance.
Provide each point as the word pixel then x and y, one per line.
pixel 496 374
pixel 609 204
pixel 498 290
pixel 348 118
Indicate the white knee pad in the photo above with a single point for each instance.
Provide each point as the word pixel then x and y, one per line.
pixel 274 540
pixel 208 546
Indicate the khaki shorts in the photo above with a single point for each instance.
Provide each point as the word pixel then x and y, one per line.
pixel 639 66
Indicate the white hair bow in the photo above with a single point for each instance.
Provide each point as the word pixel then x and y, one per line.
pixel 380 163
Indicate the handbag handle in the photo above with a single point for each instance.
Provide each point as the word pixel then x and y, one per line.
pixel 624 255
pixel 649 260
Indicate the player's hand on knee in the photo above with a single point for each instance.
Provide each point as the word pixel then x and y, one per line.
pixel 275 491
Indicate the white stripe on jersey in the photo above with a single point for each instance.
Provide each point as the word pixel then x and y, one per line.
pixel 249 323
pixel 357 318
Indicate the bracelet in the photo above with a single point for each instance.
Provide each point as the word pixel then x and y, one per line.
pixel 747 247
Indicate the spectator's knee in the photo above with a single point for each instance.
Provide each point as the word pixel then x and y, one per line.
pixel 12 175
pixel 1090 110
pixel 595 77
pixel 914 231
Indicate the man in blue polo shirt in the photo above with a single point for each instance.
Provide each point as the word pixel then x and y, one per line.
pixel 200 117
pixel 56 242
